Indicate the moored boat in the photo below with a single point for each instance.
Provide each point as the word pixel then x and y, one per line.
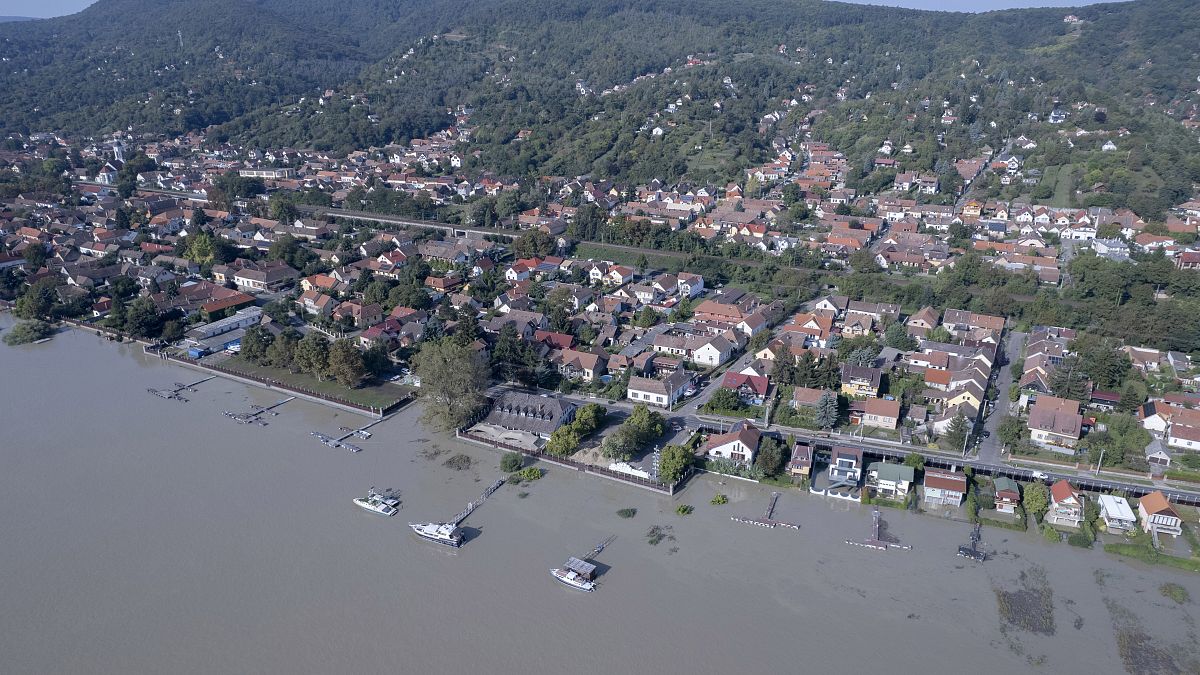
pixel 375 506
pixel 577 574
pixel 442 533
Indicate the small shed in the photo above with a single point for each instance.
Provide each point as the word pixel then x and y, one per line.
pixel 581 567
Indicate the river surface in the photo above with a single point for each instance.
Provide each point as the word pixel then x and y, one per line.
pixel 140 535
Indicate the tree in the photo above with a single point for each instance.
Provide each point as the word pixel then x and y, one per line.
pixel 453 379
pixel 35 256
pixel 957 431
pixel 940 334
pixel 896 336
pixel 863 356
pixel 1011 431
pixel 38 299
pixel 28 331
pixel 312 354
pixel 255 343
pixel 282 351
pixel 589 418
pixel 563 442
pixel 533 244
pixel 172 331
pixel 346 363
pixel 645 318
pixel 916 460
pixel 827 410
pixel 1069 380
pixel 673 463
pixel 1036 499
pixel 142 319
pixel 769 457
pixel 725 400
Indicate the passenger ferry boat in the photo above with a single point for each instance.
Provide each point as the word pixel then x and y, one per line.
pixel 374 505
pixel 443 533
pixel 577 574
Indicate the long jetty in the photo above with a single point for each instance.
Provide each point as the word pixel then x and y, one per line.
pixel 766 520
pixel 471 506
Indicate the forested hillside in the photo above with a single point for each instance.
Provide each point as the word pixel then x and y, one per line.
pixel 256 70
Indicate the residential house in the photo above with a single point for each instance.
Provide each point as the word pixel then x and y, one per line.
pixel 1055 422
pixel 1116 514
pixel 845 465
pixel 584 365
pixel 1066 505
pixel 881 413
pixel 1008 494
pixel 663 393
pixel 316 303
pixel 738 444
pixel 1157 515
pixel 800 465
pixel 861 380
pixel 944 488
pixel 889 479
pixel 751 389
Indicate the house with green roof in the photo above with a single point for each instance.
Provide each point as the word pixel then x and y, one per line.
pixel 890 480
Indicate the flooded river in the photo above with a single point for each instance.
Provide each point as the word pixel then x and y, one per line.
pixel 142 535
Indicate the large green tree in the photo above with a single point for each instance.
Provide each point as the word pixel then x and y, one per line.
pixel 453 380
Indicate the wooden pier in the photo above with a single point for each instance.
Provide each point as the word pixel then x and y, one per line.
pixel 766 520
pixel 175 393
pixel 471 506
pixel 256 413
pixel 875 542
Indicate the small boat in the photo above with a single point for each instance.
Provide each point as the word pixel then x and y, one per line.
pixel 443 533
pixel 387 498
pixel 375 506
pixel 577 574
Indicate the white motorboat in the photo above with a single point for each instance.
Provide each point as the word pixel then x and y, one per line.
pixel 443 533
pixel 375 506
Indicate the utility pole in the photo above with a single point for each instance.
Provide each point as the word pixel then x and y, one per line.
pixel 1101 462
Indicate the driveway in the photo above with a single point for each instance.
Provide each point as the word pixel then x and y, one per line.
pixel 990 446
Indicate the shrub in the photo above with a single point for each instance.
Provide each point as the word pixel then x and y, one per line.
pixel 530 473
pixel 684 509
pixel 718 500
pixel 1080 539
pixel 1175 592
pixel 627 513
pixel 1050 533
pixel 511 461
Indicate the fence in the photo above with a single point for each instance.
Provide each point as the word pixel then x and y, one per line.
pixel 372 410
pixel 578 466
pixel 276 384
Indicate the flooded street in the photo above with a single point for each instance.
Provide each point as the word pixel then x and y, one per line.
pixel 143 535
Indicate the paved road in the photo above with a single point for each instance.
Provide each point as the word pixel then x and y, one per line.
pixel 990 446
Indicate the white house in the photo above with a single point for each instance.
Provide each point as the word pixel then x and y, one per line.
pixel 714 352
pixel 739 444
pixel 1117 515
pixel 663 393
pixel 944 487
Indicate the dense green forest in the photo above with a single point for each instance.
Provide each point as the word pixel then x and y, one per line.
pixel 255 70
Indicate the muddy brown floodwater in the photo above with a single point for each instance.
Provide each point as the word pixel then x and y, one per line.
pixel 141 535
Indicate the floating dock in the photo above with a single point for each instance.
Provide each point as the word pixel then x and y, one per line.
pixel 255 416
pixel 175 393
pixel 766 520
pixel 347 432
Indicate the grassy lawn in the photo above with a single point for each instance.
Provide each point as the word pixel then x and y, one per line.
pixel 596 251
pixel 751 411
pixel 1063 185
pixel 1147 554
pixel 374 395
